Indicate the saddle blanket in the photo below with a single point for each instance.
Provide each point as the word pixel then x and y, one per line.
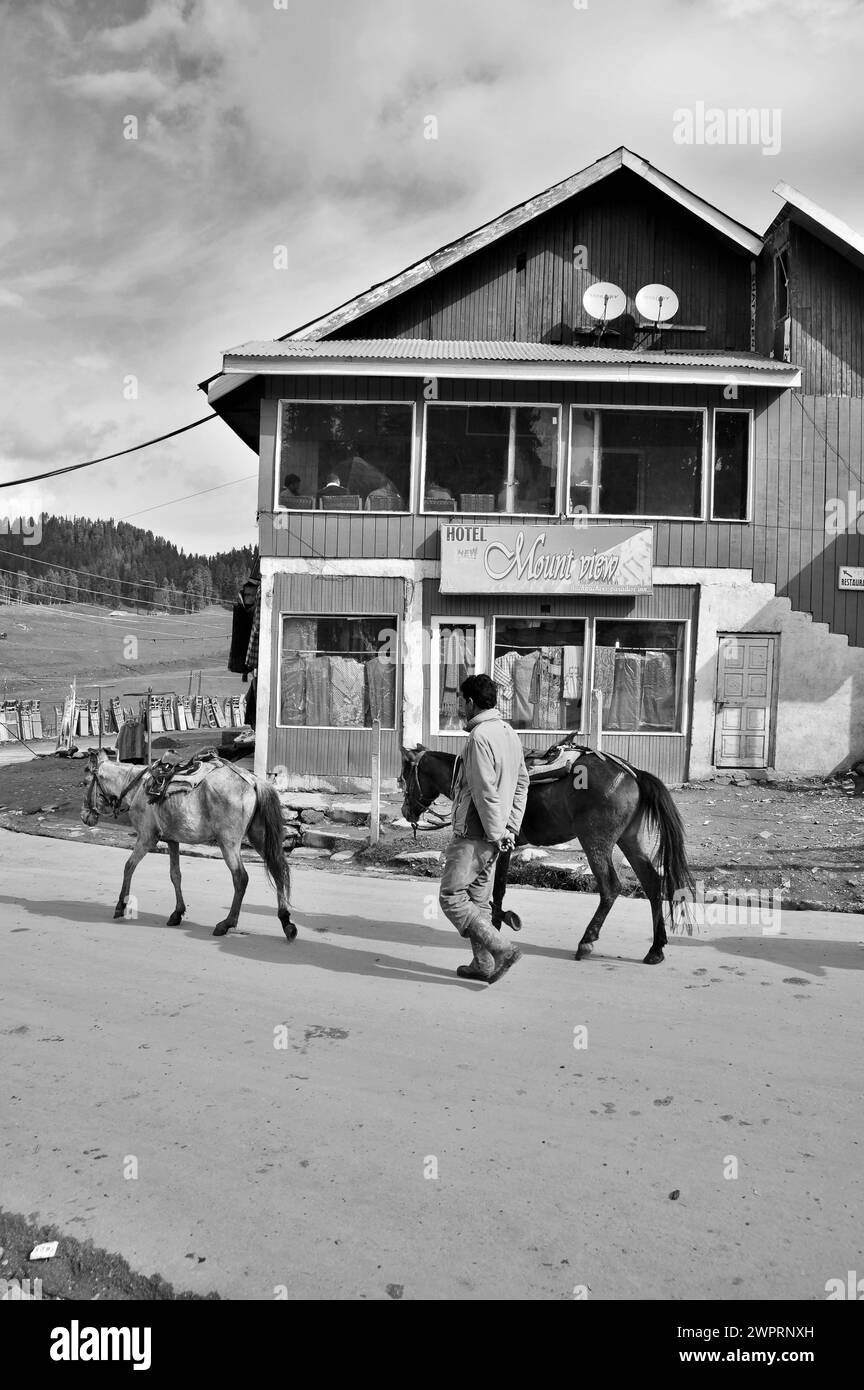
pixel 558 766
pixel 162 781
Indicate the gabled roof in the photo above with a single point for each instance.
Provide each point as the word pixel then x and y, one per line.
pixel 821 224
pixel 518 216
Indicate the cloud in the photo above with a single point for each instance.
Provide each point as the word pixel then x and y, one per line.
pixel 129 85
pixel 165 20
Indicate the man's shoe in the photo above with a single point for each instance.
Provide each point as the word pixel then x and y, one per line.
pixel 472 972
pixel 504 964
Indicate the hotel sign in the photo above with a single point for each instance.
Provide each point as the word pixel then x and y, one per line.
pixel 493 558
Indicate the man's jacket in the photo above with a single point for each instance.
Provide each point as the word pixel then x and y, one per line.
pixel 491 781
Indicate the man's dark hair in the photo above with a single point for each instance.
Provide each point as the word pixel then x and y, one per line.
pixel 482 690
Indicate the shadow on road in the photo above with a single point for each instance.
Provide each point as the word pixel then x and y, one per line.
pixel 814 957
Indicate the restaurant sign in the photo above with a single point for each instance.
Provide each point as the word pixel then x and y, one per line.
pixel 490 558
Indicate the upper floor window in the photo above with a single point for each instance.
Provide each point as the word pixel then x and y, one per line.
pixel 345 456
pixel 731 465
pixel 491 458
pixel 636 462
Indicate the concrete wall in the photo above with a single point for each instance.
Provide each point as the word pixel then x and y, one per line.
pixel 819 722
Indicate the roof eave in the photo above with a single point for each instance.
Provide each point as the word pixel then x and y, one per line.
pixel 782 378
pixel 823 225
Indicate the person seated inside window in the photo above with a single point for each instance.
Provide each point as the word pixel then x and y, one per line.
pixel 385 499
pixel 291 485
pixel 364 477
pixel 436 493
pixel 333 486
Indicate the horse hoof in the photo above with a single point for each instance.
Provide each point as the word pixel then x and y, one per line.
pixel 513 920
pixel 118 912
pixel 585 949
pixel 175 919
pixel 222 929
pixel 290 930
pixel 653 958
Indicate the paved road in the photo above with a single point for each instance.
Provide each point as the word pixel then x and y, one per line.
pixel 304 1165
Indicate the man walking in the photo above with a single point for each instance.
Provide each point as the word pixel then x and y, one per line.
pixel 489 795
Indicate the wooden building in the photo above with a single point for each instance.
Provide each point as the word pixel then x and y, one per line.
pixel 460 471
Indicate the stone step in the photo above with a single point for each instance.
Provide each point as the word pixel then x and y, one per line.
pixel 334 837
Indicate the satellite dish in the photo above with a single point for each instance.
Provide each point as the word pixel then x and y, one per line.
pixel 604 301
pixel 657 303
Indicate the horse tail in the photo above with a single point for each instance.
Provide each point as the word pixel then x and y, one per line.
pixel 267 818
pixel 661 814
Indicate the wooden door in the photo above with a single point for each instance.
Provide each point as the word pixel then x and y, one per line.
pixel 742 728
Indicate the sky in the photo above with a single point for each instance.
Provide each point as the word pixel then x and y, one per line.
pixel 129 265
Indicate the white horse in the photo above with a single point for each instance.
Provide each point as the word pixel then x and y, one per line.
pixel 222 808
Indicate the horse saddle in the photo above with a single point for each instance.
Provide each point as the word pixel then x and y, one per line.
pixel 556 762
pixel 166 777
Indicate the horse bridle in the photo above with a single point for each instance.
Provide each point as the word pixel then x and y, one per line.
pixel 424 805
pixel 108 798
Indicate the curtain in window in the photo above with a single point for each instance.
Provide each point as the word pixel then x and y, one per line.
pixel 317 690
pixel 381 691
pixel 347 691
pixel 456 662
pixel 293 690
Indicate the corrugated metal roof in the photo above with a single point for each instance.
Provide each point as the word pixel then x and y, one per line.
pixel 440 350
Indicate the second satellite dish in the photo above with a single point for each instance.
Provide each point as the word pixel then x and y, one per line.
pixel 604 301
pixel 657 303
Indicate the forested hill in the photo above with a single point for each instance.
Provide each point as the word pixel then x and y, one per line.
pixel 61 559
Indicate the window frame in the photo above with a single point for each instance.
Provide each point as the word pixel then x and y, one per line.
pixel 588 656
pixel 733 410
pixel 707 459
pixel 436 622
pixel 336 728
pixel 559 406
pixel 315 511
pixel 684 720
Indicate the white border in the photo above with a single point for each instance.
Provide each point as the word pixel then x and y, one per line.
pixel 549 618
pixel 344 728
pixel 732 410
pixel 707 460
pixel 320 511
pixel 560 408
pixel 480 663
pixel 684 719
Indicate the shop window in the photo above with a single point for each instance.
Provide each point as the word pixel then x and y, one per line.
pixel 491 458
pixel 345 457
pixel 457 652
pixel 539 668
pixel 338 672
pixel 639 669
pixel 636 462
pixel 731 464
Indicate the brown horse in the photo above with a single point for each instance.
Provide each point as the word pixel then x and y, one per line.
pixel 602 802
pixel 223 808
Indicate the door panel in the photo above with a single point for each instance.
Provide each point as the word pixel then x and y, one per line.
pixel 742 726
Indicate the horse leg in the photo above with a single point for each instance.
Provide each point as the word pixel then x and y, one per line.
pixel 142 847
pixel 609 884
pixel 174 854
pixel 652 885
pixel 231 855
pixel 255 834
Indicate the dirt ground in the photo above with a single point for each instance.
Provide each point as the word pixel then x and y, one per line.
pixel 807 840
pixel 79 1270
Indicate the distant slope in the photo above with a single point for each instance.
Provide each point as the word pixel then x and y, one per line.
pixel 46 646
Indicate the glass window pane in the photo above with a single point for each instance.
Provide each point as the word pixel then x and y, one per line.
pixel 346 457
pixel 457 659
pixel 469 464
pixel 639 668
pixel 338 672
pixel 650 463
pixel 731 451
pixel 539 670
pixel 581 458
